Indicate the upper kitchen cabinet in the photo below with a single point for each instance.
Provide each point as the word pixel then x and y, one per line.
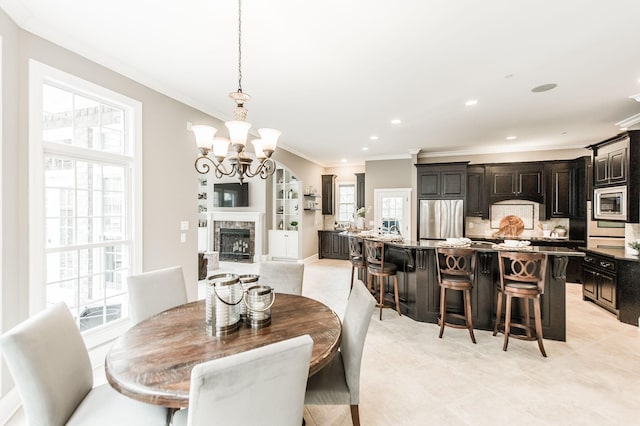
pixel 437 181
pixel 476 205
pixel 611 161
pixel 328 194
pixel 359 190
pixel 519 181
pixel 560 189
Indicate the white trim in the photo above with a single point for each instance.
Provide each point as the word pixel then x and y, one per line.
pixel 9 405
pixel 406 207
pixel 1 206
pixel 40 73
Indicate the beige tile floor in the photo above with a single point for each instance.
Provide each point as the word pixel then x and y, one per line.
pixel 410 377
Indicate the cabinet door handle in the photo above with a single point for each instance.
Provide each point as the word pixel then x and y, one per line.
pixel 588 259
pixel 606 264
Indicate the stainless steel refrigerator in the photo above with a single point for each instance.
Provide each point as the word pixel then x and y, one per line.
pixel 441 219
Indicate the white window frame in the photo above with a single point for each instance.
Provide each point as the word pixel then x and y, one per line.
pixel 355 196
pixel 379 194
pixel 40 74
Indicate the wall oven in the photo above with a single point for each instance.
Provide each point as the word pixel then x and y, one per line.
pixel 610 203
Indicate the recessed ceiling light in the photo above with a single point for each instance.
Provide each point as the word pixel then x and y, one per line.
pixel 510 138
pixel 344 160
pixel 544 88
pixel 396 121
pixel 471 102
pixel 373 138
pixel 623 129
pixel 365 148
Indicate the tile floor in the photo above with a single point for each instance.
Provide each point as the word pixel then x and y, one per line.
pixel 410 377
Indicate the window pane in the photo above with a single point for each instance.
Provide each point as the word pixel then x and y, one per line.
pixel 346 202
pixel 79 120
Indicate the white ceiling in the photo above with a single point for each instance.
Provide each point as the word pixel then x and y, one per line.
pixel 332 73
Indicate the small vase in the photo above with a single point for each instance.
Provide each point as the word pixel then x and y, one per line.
pixel 360 222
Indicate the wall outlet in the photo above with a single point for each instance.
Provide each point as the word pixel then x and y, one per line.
pixel 183 237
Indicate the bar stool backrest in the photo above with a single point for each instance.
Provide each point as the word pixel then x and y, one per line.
pixel 459 262
pixel 355 247
pixel 374 251
pixel 522 267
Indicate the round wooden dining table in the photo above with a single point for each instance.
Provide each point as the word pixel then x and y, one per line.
pixel 152 361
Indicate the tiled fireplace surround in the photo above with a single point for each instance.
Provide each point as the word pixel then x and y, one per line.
pixel 254 221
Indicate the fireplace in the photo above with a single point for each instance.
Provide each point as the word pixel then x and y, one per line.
pixel 235 244
pixel 252 222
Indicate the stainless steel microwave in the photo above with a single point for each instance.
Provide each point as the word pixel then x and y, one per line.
pixel 610 203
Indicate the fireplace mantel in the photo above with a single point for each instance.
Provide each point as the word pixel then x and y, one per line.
pixel 256 217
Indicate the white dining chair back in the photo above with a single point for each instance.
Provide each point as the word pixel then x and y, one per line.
pixel 153 292
pixel 263 386
pixel 49 363
pixel 283 277
pixel 339 382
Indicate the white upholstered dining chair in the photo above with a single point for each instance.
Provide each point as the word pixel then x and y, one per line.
pixel 283 277
pixel 155 291
pixel 263 386
pixel 48 360
pixel 338 383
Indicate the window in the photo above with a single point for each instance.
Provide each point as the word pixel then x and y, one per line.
pixel 346 202
pixel 392 210
pixel 84 165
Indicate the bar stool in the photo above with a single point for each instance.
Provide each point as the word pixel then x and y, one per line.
pixel 357 258
pixel 456 271
pixel 522 276
pixel 377 267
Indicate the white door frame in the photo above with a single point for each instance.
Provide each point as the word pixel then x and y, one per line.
pixel 379 193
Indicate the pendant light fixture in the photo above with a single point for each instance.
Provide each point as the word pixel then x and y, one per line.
pixel 236 161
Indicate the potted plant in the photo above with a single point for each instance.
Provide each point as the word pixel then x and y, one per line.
pixel 294 224
pixel 635 247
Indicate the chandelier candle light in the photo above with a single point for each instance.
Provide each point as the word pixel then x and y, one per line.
pixel 238 163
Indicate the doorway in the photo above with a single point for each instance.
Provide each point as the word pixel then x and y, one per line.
pixel 392 210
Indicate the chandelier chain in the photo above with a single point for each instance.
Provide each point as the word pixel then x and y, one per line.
pixel 240 46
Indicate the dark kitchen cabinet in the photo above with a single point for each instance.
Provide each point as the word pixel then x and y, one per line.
pixel 442 180
pixel 328 194
pixel 599 281
pixel 610 163
pixel 560 189
pixel 359 190
pixel 523 181
pixel 614 164
pixel 476 205
pixel 332 245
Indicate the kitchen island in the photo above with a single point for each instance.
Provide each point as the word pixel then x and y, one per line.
pixel 419 291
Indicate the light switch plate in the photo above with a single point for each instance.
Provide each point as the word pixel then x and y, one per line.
pixel 184 225
pixel 183 237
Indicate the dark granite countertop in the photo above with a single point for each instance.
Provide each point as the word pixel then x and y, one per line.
pixel 618 254
pixel 483 246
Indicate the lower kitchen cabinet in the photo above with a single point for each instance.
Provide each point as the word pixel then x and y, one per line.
pixel 332 245
pixel 599 281
pixel 283 244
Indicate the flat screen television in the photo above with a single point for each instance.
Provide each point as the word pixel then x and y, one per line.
pixel 230 195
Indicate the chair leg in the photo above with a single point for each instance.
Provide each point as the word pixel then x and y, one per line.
pixel 536 310
pixel 369 279
pixel 355 415
pixel 353 268
pixel 467 313
pixel 443 309
pixel 498 314
pixel 507 323
pixel 527 316
pixel 395 292
pixel 381 290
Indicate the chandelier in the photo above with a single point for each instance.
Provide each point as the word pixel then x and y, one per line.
pixel 236 161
